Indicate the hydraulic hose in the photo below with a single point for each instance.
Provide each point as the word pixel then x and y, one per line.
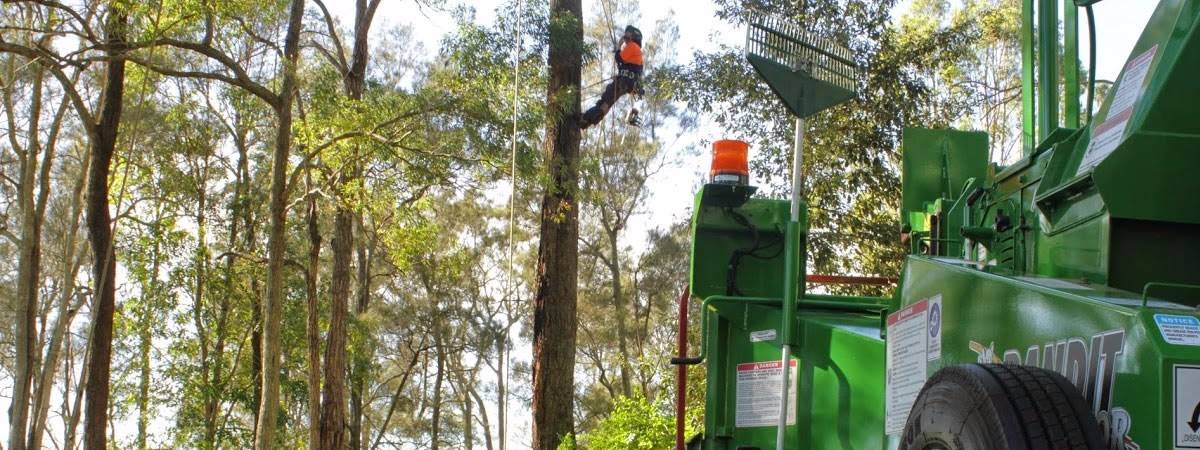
pixel 1091 98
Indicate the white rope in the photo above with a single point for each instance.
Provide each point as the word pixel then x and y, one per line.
pixel 512 218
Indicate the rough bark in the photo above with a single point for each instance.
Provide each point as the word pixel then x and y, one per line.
pixel 312 329
pixel 103 145
pixel 554 320
pixel 333 407
pixel 333 403
pixel 277 236
pixel 361 361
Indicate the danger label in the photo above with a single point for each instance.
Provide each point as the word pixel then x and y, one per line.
pixel 908 334
pixel 1187 406
pixel 1178 330
pixel 1109 134
pixel 758 388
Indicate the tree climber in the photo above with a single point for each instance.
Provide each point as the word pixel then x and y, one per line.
pixel 627 81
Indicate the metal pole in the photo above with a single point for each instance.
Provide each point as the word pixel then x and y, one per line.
pixel 791 281
pixel 797 169
pixel 681 370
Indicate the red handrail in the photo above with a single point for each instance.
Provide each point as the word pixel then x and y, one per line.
pixel 681 371
pixel 844 279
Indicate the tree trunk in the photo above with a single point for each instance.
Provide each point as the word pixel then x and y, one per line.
pixel 501 389
pixel 312 329
pixel 204 338
pixel 483 417
pixel 145 336
pixel 333 406
pixel 256 320
pixel 620 310
pixel 554 320
pixel 333 414
pixel 277 238
pixel 28 270
pixel 238 212
pixel 435 435
pixel 361 361
pixel 103 145
pixel 65 315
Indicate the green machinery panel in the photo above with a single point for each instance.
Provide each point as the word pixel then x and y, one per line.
pixel 1102 339
pixel 1083 257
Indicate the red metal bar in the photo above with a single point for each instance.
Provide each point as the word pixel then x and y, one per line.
pixel 681 371
pixel 843 279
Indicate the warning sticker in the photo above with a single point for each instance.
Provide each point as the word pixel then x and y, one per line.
pixel 1178 330
pixel 907 355
pixel 758 386
pixel 1187 406
pixel 1109 134
pixel 762 335
pixel 934 345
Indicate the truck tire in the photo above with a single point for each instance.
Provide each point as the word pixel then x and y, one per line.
pixel 1000 407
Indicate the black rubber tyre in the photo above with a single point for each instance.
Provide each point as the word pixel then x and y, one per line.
pixel 1000 407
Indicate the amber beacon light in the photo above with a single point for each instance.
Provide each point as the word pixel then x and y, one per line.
pixel 729 162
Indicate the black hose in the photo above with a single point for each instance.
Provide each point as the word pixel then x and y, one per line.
pixel 735 258
pixel 1091 98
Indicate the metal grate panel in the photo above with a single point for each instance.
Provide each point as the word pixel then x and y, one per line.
pixel 782 41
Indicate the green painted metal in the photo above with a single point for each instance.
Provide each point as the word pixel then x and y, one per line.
pixel 1071 84
pixel 939 168
pixel 1028 105
pixel 1047 64
pixel 1100 337
pixel 1061 260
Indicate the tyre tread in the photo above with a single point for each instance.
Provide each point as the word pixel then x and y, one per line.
pixel 1045 409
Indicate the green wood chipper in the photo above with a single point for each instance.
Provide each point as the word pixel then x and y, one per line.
pixel 1048 304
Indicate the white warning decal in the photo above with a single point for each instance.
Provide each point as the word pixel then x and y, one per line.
pixel 1187 406
pixel 1109 134
pixel 758 386
pixel 907 356
pixel 1178 330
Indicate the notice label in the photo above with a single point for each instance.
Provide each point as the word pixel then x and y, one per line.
pixel 1109 134
pixel 1178 330
pixel 758 386
pixel 1187 406
pixel 762 335
pixel 933 350
pixel 907 348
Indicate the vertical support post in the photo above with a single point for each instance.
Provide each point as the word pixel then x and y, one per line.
pixel 1028 108
pixel 791 281
pixel 1047 82
pixel 681 370
pixel 1071 63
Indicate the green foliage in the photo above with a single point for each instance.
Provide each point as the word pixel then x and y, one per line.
pixel 635 423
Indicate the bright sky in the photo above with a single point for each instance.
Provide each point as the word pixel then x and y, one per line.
pixel 1119 23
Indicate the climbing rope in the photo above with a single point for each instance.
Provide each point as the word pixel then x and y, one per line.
pixel 512 219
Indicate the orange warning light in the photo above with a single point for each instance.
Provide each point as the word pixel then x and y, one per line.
pixel 729 162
